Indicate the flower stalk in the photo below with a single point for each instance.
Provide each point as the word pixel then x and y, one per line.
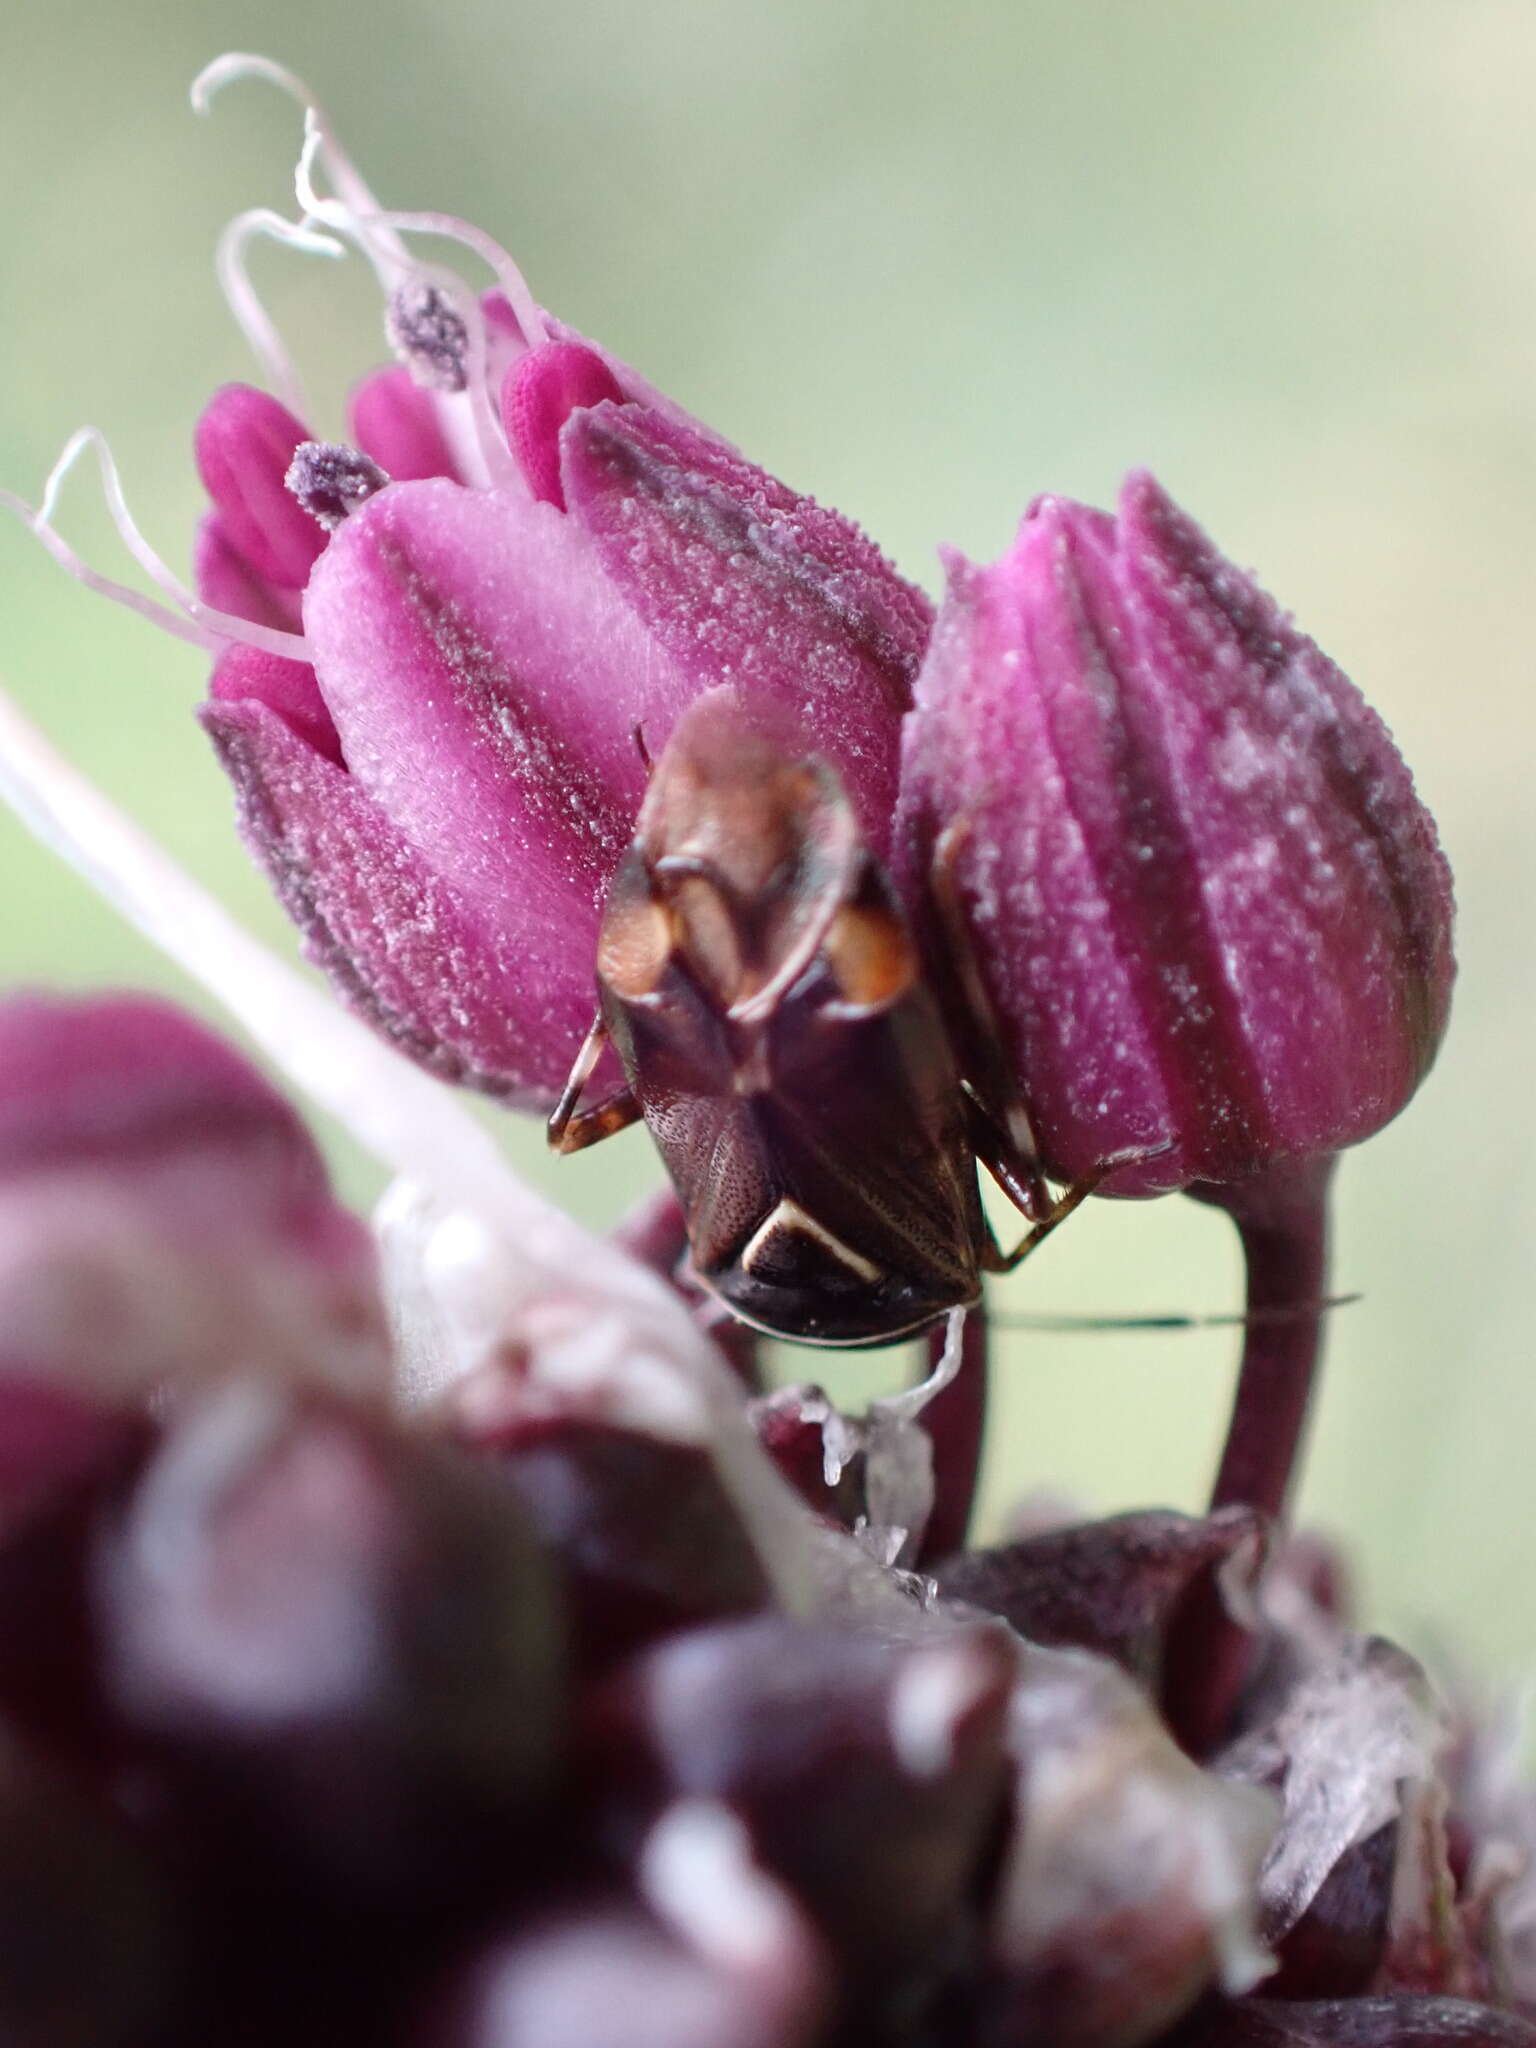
pixel 1282 1220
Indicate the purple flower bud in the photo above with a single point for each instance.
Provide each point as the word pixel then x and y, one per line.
pixel 155 1193
pixel 86 1941
pixel 244 443
pixel 539 395
pixel 341 1642
pixel 397 423
pixel 65 1458
pixel 1353 2023
pixel 1115 1587
pixel 606 1970
pixel 252 677
pixel 1336 1947
pixel 1209 912
pixel 793 1425
pixel 227 581
pixel 868 1775
pixel 1127 1885
pixel 634 1570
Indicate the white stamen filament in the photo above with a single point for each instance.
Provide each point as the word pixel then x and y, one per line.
pixel 470 419
pixel 252 318
pixel 351 187
pixel 482 452
pixel 204 625
pixel 448 226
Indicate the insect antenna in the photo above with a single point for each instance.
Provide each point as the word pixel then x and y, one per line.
pixel 1291 1312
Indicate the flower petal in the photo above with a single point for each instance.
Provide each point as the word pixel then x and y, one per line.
pixel 745 582
pixel 244 443
pixel 488 686
pixel 1326 896
pixel 478 997
pixel 396 422
pixel 987 749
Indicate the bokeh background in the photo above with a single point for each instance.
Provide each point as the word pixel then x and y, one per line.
pixel 925 261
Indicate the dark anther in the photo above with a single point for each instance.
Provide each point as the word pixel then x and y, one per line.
pixel 427 332
pixel 329 479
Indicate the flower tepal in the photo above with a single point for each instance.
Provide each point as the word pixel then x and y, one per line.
pixel 476 617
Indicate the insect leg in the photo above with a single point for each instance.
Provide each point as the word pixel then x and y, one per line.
pixel 995 1260
pixel 1002 1135
pixel 1016 1173
pixel 572 1130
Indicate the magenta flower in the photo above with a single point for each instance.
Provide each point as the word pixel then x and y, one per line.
pixel 474 620
pixel 156 1193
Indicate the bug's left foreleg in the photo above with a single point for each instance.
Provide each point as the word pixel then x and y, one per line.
pixel 571 1129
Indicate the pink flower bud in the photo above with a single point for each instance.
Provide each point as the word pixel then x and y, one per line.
pixel 245 442
pixel 156 1194
pixel 396 422
pixel 1210 914
pixel 539 395
pixel 326 1629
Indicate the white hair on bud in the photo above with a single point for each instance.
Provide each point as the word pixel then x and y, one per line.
pixel 250 315
pixel 204 625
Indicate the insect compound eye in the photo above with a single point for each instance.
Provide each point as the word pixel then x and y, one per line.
pixel 635 943
pixel 870 954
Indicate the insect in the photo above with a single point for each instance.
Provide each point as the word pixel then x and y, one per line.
pixel 763 989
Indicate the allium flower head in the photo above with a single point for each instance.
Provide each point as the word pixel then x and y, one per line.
pixel 463 1651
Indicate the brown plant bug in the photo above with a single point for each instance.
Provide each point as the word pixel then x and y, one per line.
pixel 761 985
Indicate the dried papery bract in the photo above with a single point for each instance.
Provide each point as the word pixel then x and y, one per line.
pixel 1128 1883
pixel 157 1197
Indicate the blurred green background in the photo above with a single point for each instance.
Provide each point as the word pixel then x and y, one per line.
pixel 924 262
